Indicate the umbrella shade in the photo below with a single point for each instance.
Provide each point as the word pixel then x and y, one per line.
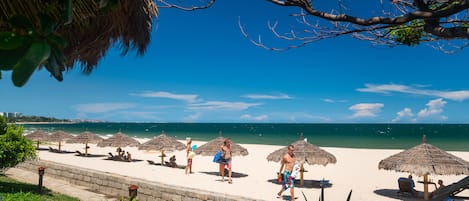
pixel 59 136
pixel 305 152
pixel 85 137
pixel 162 142
pixel 425 159
pixel 38 135
pixel 119 140
pixel 212 147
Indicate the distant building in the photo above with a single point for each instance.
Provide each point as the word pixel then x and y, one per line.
pixel 10 114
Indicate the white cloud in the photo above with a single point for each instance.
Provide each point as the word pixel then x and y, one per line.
pixel 193 117
pixel 434 108
pixel 222 105
pixel 102 107
pixel 328 100
pixel 366 109
pixel 265 96
pixel 140 115
pixel 388 88
pixel 254 118
pixel 404 114
pixel 163 94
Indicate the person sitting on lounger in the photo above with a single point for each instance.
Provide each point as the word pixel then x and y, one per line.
pixel 440 186
pixel 129 157
pixel 412 186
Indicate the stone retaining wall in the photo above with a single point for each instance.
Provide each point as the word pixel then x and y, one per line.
pixel 117 185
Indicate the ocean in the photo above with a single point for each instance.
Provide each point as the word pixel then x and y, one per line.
pixel 449 137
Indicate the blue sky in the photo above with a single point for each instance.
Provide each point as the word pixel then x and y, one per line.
pixel 200 68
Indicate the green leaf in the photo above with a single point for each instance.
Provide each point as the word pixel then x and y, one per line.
pixel 35 56
pixel 10 40
pixel 67 15
pixel 48 24
pixel 57 40
pixel 53 67
pixel 10 58
pixel 21 21
pixel 0 75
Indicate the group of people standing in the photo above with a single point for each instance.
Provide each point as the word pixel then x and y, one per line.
pixel 225 160
pixel 287 164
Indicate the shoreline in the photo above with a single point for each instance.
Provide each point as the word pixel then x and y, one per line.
pixel 255 176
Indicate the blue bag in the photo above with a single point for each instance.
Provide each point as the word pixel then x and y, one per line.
pixel 217 157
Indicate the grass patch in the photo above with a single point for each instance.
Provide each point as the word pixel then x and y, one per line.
pixel 12 190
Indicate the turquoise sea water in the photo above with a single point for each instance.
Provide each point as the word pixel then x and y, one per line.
pixel 450 137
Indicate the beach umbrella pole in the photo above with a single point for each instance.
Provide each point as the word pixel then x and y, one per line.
pixel 425 187
pixel 37 144
pixel 162 157
pixel 86 148
pixel 60 145
pixel 302 170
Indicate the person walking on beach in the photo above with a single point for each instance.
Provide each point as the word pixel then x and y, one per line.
pixel 226 160
pixel 288 161
pixel 189 159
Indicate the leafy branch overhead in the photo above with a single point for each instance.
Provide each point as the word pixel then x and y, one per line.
pixel 443 24
pixel 57 34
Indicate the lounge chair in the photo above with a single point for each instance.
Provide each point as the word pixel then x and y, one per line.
pixel 405 186
pixel 450 191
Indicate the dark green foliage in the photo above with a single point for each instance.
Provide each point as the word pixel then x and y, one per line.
pixel 14 147
pixel 11 190
pixel 408 34
pixel 3 125
pixel 35 119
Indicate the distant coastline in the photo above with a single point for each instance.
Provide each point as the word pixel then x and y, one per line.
pixel 47 122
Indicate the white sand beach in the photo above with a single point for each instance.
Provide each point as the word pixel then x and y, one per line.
pixel 356 169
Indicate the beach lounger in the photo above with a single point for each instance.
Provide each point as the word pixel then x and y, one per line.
pixel 450 191
pixel 405 186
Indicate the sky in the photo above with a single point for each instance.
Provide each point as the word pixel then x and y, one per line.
pixel 200 68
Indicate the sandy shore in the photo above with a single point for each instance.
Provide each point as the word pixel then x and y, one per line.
pixel 356 169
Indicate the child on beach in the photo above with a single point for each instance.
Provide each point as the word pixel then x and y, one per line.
pixel 189 159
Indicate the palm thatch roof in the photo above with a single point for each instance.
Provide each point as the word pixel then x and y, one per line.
pixel 119 140
pixel 94 28
pixel 162 142
pixel 59 136
pixel 86 137
pixel 210 148
pixel 304 152
pixel 425 159
pixel 37 135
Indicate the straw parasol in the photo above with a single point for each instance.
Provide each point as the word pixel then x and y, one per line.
pixel 95 26
pixel 59 136
pixel 304 152
pixel 85 138
pixel 38 135
pixel 164 143
pixel 425 159
pixel 212 147
pixel 119 140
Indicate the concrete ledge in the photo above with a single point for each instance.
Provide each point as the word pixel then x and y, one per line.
pixel 117 186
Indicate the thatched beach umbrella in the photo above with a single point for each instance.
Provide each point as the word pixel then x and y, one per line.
pixel 38 135
pixel 212 147
pixel 425 159
pixel 85 138
pixel 119 140
pixel 59 136
pixel 304 152
pixel 162 143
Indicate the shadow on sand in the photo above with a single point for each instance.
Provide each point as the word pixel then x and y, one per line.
pixel 233 174
pixel 393 193
pixel 306 184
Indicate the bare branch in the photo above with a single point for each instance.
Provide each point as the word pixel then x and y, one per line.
pixel 165 4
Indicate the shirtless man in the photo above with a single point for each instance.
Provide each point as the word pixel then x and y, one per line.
pixel 288 182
